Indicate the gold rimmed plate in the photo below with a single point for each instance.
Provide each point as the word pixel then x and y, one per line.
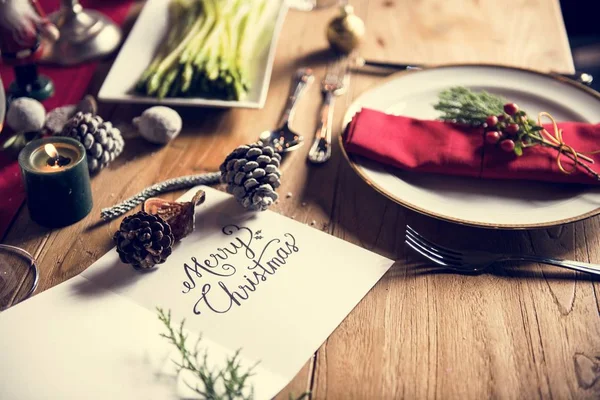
pixel 478 202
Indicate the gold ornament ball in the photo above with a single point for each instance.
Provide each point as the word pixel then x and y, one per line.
pixel 345 32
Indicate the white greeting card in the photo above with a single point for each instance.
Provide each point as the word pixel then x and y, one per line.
pixel 259 282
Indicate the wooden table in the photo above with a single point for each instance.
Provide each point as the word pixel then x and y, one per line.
pixel 523 331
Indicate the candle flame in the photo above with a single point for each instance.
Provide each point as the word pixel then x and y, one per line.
pixel 51 150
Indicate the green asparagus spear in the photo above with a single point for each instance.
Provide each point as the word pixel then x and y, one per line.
pixel 210 48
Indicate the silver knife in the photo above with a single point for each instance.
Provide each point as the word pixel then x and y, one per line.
pixel 581 77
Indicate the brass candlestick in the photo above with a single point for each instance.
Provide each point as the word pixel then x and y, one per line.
pixel 84 35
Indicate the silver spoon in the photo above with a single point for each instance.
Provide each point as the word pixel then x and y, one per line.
pixel 283 139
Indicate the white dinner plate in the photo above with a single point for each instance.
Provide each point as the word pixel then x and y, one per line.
pixel 471 201
pixel 142 43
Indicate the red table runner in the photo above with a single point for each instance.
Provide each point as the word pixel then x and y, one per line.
pixel 70 86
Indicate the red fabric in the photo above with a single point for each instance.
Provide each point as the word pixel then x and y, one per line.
pixel 453 149
pixel 70 86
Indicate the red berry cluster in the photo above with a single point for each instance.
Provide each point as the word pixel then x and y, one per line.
pixel 504 128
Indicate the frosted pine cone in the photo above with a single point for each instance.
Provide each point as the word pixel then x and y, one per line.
pixel 103 142
pixel 252 175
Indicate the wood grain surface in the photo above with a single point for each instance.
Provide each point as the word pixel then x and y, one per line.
pixel 520 331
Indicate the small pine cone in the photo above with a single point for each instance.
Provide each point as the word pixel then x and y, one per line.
pixel 144 240
pixel 252 174
pixel 103 142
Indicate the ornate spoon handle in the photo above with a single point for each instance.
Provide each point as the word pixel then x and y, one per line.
pixel 302 79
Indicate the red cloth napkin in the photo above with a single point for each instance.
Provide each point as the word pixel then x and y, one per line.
pixel 70 86
pixel 454 149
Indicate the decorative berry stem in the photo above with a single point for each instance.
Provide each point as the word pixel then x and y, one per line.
pixel 571 157
pixel 507 126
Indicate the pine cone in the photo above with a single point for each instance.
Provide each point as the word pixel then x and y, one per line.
pixel 102 141
pixel 144 240
pixel 252 175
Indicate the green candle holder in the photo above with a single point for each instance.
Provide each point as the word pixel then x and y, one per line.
pixel 57 181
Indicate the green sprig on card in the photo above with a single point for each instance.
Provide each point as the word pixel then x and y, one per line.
pixel 230 383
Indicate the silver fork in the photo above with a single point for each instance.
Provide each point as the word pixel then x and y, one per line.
pixel 478 261
pixel 334 84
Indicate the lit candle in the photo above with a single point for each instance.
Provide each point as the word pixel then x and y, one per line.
pixel 55 160
pixel 57 181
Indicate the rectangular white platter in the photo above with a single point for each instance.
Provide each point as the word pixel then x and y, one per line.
pixel 144 40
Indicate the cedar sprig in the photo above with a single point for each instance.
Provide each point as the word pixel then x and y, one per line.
pixel 233 378
pixel 461 105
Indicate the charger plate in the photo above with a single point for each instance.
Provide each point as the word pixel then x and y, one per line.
pixel 478 202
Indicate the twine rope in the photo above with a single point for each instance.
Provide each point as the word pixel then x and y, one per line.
pixel 555 139
pixel 183 182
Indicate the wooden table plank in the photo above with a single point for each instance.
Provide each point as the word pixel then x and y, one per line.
pixel 528 34
pixel 523 331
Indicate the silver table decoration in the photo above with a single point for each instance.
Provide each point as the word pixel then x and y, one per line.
pixel 84 35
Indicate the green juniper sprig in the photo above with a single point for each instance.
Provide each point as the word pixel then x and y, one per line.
pixel 233 379
pixel 461 105
pixel 504 123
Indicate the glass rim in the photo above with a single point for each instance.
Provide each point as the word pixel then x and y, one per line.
pixel 32 266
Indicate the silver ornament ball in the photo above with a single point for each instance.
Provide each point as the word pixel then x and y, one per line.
pixel 26 115
pixel 159 124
